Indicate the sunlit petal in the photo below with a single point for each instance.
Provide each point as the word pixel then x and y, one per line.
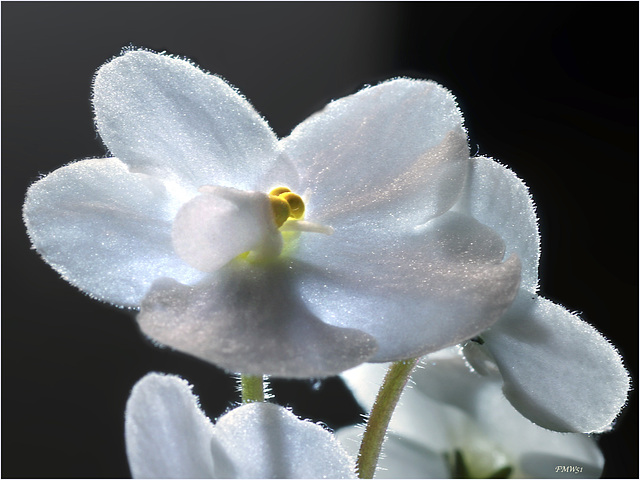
pixel 414 292
pixel 558 370
pixel 267 441
pixel 105 229
pixel 164 116
pixel 499 199
pixel 398 147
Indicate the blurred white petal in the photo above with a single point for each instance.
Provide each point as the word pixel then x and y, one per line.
pixel 537 451
pixel 432 428
pixel 168 436
pixel 467 412
pixel 401 458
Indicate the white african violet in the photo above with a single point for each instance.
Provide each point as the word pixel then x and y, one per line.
pixel 168 436
pixel 448 407
pixel 178 223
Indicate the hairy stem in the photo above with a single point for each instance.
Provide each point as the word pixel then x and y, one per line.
pixel 252 388
pixel 386 401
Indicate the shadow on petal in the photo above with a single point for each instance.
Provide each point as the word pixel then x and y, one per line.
pixel 222 464
pixel 248 318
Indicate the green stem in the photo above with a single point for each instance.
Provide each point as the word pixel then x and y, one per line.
pixel 386 401
pixel 252 388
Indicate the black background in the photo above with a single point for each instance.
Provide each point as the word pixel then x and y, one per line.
pixel 549 89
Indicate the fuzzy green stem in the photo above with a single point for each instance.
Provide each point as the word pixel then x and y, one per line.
pixel 252 388
pixel 386 401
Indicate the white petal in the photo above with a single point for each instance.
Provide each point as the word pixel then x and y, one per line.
pixel 105 229
pixel 530 449
pixel 164 116
pixel 167 435
pixel 450 407
pixel 417 418
pixel 415 292
pixel 421 422
pixel 445 377
pixel 222 223
pixel 249 319
pixel 263 440
pixel 499 199
pixel 535 452
pixel 398 147
pixel 364 381
pixel 558 370
pixel 400 457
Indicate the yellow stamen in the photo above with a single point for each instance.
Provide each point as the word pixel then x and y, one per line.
pixel 281 209
pixel 286 204
pixel 295 203
pixel 279 191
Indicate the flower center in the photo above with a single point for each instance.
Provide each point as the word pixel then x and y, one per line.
pixel 489 466
pixel 285 205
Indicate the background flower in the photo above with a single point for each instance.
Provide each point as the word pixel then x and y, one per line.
pixel 552 102
pixel 450 408
pixel 168 436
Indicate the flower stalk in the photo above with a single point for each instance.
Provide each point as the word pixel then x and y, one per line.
pixel 252 387
pixel 386 401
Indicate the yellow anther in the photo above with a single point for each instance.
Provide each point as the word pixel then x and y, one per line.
pixel 279 191
pixel 295 203
pixel 286 204
pixel 281 209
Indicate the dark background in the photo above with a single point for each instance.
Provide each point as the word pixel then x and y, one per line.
pixel 549 89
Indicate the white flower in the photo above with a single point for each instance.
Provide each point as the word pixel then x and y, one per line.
pixel 181 224
pixel 558 371
pixel 168 436
pixel 452 411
